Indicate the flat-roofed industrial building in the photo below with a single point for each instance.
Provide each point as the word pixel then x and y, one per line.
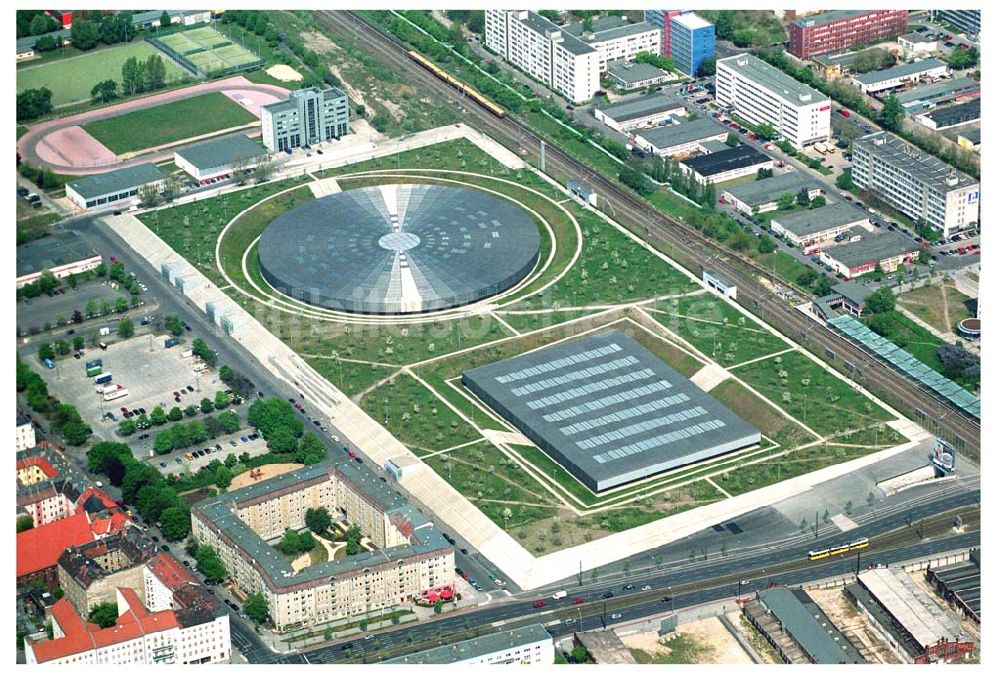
pixel 638 113
pixel 609 411
pixel 812 228
pixel 730 164
pixel 119 188
pixel 761 196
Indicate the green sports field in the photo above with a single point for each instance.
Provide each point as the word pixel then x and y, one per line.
pixel 71 79
pixel 208 50
pixel 169 122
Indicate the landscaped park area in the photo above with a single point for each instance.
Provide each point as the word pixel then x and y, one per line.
pixel 591 276
pixel 71 79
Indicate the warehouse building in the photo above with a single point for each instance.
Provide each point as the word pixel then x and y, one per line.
pixel 953 116
pixel 960 584
pixel 897 76
pixel 609 411
pixel 848 296
pixel 681 139
pixel 839 30
pixel 406 554
pixel 550 54
pixel 915 183
pixel 925 96
pixel 527 645
pixel 219 158
pixel 798 629
pixel 719 284
pixel 762 94
pixel 918 630
pixel 114 189
pixel 718 167
pixel 871 251
pixel 307 116
pixel 639 113
pixel 628 75
pixel 812 228
pixel 62 253
pixel 692 40
pixel 761 196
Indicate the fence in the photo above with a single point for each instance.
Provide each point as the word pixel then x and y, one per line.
pixel 189 65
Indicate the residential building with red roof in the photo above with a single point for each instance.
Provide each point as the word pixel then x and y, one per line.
pixel 39 548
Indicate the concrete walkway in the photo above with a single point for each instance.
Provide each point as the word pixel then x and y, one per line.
pixel 710 376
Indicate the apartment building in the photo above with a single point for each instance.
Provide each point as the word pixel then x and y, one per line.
pixel 660 18
pixel 405 554
pixel 966 19
pixel 307 116
pixel 692 40
pixel 24 437
pixel 915 183
pixel 762 94
pixel 837 31
pixel 560 60
pixel 617 40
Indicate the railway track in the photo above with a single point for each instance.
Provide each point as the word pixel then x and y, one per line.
pixel 687 246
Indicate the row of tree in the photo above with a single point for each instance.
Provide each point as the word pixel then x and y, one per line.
pixel 143 486
pixel 137 76
pixel 184 435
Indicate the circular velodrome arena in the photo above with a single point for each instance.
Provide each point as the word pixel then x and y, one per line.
pixel 399 249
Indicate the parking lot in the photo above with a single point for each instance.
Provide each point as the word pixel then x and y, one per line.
pixel 150 373
pixel 46 309
pixel 219 448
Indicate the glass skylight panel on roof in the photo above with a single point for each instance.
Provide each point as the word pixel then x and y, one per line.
pixel 590 388
pixel 570 360
pixel 622 415
pixel 599 369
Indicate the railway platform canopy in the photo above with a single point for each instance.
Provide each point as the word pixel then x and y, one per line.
pixel 907 363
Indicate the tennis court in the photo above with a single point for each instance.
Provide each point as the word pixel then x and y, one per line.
pixel 208 50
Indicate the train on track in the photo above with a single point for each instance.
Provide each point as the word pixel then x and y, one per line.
pixel 838 550
pixel 458 84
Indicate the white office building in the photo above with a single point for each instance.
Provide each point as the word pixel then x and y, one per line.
pixel 623 41
pixel 915 183
pixel 762 94
pixel 307 116
pixel 563 62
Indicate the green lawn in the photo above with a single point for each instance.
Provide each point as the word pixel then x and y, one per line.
pixel 169 122
pixel 415 416
pixel 812 395
pixel 796 463
pixel 716 329
pixel 71 79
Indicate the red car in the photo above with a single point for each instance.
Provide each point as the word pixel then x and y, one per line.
pixel 350 453
pixel 538 604
pixel 844 112
pixel 578 601
pixel 465 575
pixel 962 250
pixel 177 394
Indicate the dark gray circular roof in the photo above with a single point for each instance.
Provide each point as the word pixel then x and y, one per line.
pixel 399 249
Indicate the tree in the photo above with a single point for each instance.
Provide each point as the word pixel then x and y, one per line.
pixel 707 67
pixel 881 301
pixel 766 132
pixel 84 34
pixel 636 180
pixel 848 507
pixel 155 71
pixel 165 19
pixel 229 421
pixel 41 24
pixel 958 362
pixel 138 475
pixel 175 523
pixel 817 202
pixel 78 341
pixel 844 181
pixel 126 328
pixel 175 414
pixel 104 614
pixel 190 411
pixel 255 607
pixel 221 400
pixel 822 286
pixel 438 606
pixel 290 542
pixel 892 114
pixel 25 523
pixel 164 442
pixel 33 103
pixel 786 201
pixel 206 405
pixel 960 59
pixel 272 414
pixel 121 305
pixel 802 198
pixel 157 416
pixel 104 91
pixel 732 140
pixel 46 351
pixel 210 564
pixel 223 477
pixel 282 440
pixel 766 244
pixel 311 449
pixel 353 537
pixel 872 59
pixel 318 520
pixel 579 654
pixel 174 325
